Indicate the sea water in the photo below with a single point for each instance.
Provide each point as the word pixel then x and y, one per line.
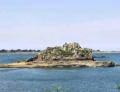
pixel 76 79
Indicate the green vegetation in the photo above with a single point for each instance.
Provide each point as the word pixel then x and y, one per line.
pixel 57 89
pixel 118 87
pixel 66 53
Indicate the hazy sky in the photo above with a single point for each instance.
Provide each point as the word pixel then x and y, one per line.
pixel 36 24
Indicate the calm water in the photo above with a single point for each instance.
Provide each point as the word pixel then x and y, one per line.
pixel 78 80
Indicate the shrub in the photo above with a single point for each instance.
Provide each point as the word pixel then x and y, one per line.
pixel 117 86
pixel 57 89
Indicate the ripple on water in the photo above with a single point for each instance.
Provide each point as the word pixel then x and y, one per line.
pixel 78 79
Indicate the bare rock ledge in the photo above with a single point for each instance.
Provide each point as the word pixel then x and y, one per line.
pixel 62 64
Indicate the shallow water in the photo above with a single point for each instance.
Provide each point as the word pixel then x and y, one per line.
pixel 78 80
pixel 9 58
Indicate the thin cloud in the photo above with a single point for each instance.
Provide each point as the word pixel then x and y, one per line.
pixel 102 34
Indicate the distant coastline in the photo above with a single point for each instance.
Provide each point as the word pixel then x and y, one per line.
pixel 106 51
pixel 19 51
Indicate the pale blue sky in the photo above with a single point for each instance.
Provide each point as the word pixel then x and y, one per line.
pixel 36 24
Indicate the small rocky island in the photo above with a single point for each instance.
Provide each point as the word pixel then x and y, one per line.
pixel 68 55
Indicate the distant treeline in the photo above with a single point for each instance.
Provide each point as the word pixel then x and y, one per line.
pixel 96 50
pixel 18 50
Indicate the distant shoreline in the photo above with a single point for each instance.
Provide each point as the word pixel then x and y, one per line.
pixel 19 52
pixel 106 51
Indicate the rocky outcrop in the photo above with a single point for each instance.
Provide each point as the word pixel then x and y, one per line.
pixel 71 51
pixel 68 55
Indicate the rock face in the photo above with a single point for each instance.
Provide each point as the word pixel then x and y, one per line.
pixel 71 51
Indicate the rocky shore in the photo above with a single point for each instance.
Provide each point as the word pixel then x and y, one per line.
pixel 69 55
pixel 61 64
